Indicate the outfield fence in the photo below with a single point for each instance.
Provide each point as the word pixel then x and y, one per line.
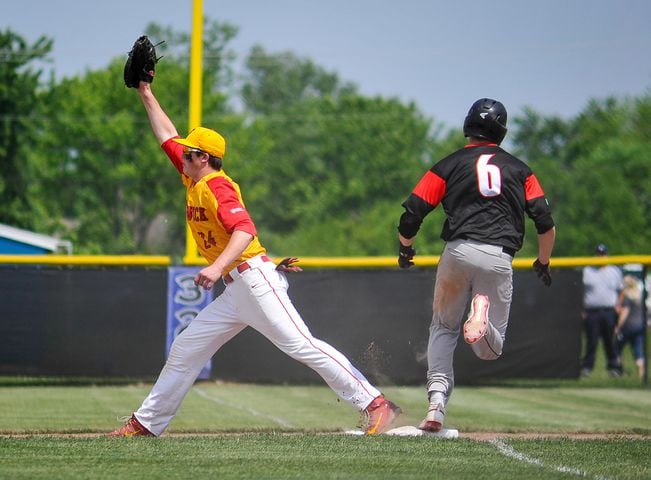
pixel 111 316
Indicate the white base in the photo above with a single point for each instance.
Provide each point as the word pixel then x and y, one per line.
pixel 411 431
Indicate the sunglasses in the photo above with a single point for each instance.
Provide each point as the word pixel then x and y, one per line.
pixel 187 153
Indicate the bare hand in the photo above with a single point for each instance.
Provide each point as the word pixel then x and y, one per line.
pixel 207 277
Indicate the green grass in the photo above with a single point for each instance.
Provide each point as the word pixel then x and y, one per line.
pixel 211 407
pixel 312 456
pixel 279 431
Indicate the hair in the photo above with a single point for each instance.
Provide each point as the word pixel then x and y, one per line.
pixel 215 162
pixel 632 288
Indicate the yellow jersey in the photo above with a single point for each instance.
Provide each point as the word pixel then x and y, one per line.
pixel 214 210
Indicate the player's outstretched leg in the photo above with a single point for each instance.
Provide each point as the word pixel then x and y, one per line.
pixel 477 324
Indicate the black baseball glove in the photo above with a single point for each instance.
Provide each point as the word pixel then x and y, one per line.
pixel 405 256
pixel 141 64
pixel 542 270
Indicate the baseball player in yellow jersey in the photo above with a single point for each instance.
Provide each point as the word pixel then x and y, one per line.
pixel 255 293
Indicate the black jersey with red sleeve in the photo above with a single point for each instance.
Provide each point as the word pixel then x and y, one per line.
pixel 485 192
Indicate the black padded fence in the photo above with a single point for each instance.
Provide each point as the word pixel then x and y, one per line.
pixel 82 321
pixel 112 322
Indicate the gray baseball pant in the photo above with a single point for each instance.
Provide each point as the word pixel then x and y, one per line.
pixel 467 268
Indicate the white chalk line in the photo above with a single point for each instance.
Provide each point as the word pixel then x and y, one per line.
pixel 508 451
pixel 251 411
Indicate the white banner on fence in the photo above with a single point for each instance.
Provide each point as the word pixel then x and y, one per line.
pixel 184 301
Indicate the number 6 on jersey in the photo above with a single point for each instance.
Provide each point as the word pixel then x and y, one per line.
pixel 489 177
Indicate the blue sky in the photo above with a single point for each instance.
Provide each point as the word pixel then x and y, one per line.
pixel 552 55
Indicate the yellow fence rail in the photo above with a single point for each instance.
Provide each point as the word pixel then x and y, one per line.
pixel 117 260
pixel 308 262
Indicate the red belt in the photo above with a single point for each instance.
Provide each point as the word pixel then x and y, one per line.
pixel 242 267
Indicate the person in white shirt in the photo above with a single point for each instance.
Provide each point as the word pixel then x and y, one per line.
pixel 602 285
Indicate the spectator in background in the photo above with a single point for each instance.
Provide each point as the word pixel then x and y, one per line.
pixel 630 323
pixel 601 290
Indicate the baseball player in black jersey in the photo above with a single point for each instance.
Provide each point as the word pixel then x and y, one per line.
pixel 485 192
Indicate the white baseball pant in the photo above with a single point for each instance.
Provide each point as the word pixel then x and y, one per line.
pixel 467 268
pixel 258 298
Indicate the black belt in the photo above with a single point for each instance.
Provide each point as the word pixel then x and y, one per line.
pixel 599 309
pixel 507 250
pixel 242 267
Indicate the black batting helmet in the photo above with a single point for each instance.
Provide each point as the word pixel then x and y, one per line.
pixel 486 119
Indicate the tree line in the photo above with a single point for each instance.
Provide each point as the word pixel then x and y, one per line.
pixel 324 169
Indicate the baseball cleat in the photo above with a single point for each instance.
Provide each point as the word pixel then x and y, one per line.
pixel 379 415
pixel 133 428
pixel 477 324
pixel 434 419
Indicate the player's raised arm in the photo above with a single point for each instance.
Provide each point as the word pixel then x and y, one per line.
pixel 161 124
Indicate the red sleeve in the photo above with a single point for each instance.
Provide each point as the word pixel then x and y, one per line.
pixel 532 188
pixel 230 210
pixel 175 152
pixel 430 188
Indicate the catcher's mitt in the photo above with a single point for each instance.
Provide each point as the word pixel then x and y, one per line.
pixel 141 64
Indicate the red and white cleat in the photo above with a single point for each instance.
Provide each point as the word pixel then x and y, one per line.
pixel 434 419
pixel 477 324
pixel 133 428
pixel 379 415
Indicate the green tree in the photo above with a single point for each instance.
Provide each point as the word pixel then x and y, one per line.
pixel 332 160
pixel 536 137
pixel 596 174
pixel 19 84
pixel 276 82
pixel 606 206
pixel 323 168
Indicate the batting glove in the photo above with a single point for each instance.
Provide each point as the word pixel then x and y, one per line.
pixel 287 265
pixel 405 256
pixel 542 270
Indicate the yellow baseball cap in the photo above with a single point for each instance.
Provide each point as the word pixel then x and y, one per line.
pixel 206 140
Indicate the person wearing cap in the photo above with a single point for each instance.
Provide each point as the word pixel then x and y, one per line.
pixel 601 287
pixel 255 291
